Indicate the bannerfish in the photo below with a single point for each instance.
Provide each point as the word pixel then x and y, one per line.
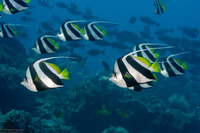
pixel 93 32
pixel 13 6
pixel 135 72
pixel 149 53
pixel 42 76
pixel 45 44
pixel 171 67
pixel 7 30
pixel 130 71
pixel 159 7
pixel 69 31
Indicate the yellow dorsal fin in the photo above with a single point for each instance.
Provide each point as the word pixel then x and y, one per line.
pixel 157 56
pixel 144 60
pixel 76 26
pixel 127 75
pixel 156 79
pixel 1 7
pixel 152 50
pixel 51 40
pixel 156 66
pixel 65 74
pixel 179 61
pixel 54 43
pixel 99 27
pixel 27 1
pixel 184 65
pixel 55 67
pixel 82 31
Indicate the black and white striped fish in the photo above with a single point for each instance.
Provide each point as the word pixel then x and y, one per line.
pixel 131 71
pixel 92 32
pixel 13 6
pixel 149 53
pixel 42 76
pixel 69 31
pixel 45 44
pixel 173 67
pixel 159 7
pixel 7 31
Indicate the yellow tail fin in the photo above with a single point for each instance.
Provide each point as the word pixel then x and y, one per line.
pixel 184 65
pixel 65 74
pixel 156 66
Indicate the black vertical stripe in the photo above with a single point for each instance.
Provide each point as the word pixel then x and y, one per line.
pixel 66 35
pixel 148 53
pixel 88 32
pixel 175 65
pixel 6 29
pixel 50 74
pixel 49 44
pixel 75 32
pixel 96 31
pixel 145 72
pixel 10 6
pixel 41 46
pixel 139 54
pixel 22 3
pixel 40 86
pixel 130 82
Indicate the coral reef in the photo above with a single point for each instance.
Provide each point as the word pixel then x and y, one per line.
pixel 115 130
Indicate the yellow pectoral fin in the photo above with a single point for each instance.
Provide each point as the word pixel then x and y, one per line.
pixel 127 75
pixel 51 40
pixel 55 67
pixel 36 78
pixel 156 66
pixel 76 26
pixel 179 61
pixel 65 74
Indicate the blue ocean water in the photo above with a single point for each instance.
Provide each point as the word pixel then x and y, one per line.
pixel 89 102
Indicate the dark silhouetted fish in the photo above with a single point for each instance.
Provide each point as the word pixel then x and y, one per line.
pixel 46 26
pixel 27 19
pixel 163 31
pixel 132 20
pixel 57 19
pixel 190 32
pixel 95 52
pixel 44 4
pixel 148 21
pixel 61 5
pixel 105 65
pixel 73 9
